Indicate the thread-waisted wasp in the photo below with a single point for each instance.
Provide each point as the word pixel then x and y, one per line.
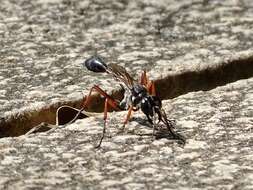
pixel 138 95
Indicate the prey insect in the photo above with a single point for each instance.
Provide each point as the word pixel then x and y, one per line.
pixel 138 95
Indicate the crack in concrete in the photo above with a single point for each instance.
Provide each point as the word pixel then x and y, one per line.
pixel 168 87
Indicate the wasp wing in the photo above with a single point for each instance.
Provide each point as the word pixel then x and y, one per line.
pixel 120 74
pixel 96 64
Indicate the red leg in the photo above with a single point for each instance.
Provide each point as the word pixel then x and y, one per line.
pixel 87 99
pixel 104 127
pixel 144 78
pixel 150 86
pixel 130 109
pixel 107 104
pixel 128 115
pixel 110 100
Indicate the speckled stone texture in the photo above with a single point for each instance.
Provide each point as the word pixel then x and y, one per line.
pixel 218 153
pixel 44 42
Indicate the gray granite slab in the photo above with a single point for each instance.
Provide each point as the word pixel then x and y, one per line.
pixel 44 42
pixel 217 155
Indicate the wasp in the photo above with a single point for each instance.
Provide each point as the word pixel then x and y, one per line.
pixel 139 95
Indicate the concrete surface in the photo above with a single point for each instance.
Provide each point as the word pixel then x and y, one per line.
pixel 184 45
pixel 217 155
pixel 44 42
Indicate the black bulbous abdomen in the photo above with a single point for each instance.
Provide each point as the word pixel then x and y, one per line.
pixel 95 64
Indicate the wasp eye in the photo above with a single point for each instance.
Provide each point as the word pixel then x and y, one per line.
pixel 95 64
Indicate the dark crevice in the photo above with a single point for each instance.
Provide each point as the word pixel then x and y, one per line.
pixel 20 123
pixel 166 88
pixel 206 79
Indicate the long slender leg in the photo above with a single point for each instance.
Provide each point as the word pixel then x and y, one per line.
pixel 130 109
pixel 128 115
pixel 104 127
pixel 144 78
pixel 154 123
pixel 150 86
pixel 168 124
pixel 111 101
pixel 170 127
pixel 87 99
pixel 107 104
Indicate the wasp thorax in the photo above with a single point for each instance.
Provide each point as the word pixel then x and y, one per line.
pixel 138 93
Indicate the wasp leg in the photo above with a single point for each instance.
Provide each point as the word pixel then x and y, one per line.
pixel 108 102
pixel 144 78
pixel 154 119
pixel 150 86
pixel 104 127
pixel 114 104
pixel 86 100
pixel 170 127
pixel 130 109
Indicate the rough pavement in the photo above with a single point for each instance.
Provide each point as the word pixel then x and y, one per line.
pixel 44 42
pixel 218 153
pixel 42 46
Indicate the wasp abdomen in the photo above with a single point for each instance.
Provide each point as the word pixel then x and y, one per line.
pixel 95 64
